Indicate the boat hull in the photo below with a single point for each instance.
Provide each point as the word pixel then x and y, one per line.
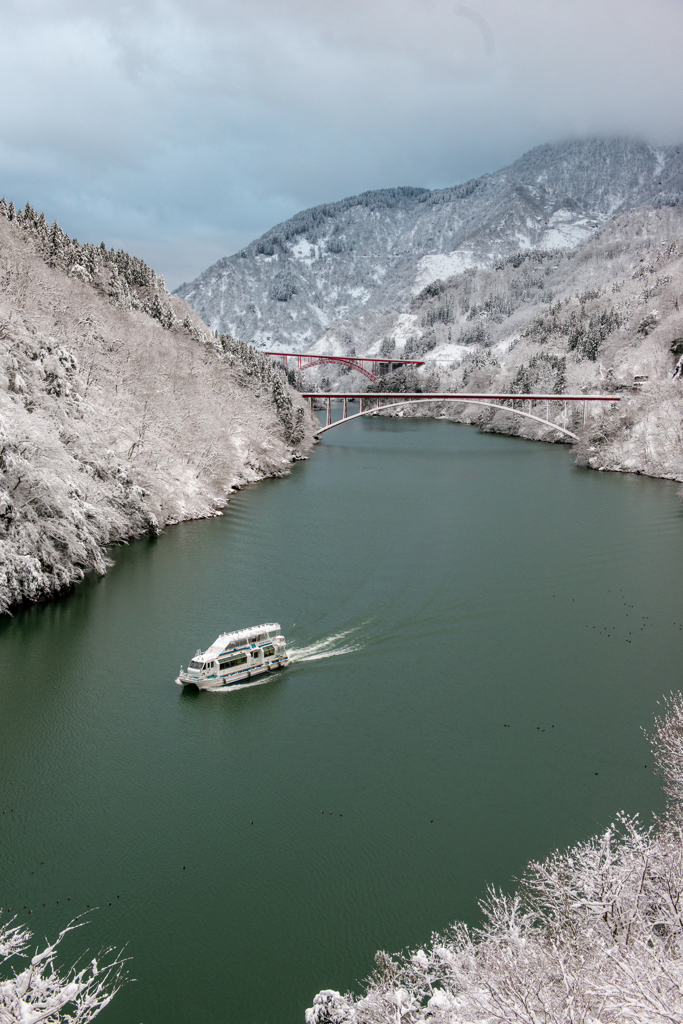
pixel 237 680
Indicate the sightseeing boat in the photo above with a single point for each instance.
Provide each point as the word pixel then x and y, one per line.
pixel 235 660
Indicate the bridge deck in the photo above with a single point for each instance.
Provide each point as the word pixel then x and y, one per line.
pixel 464 395
pixel 372 367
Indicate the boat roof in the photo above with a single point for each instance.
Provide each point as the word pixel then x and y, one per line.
pixel 226 640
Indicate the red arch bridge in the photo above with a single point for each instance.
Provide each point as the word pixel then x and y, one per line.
pixel 527 406
pixel 371 367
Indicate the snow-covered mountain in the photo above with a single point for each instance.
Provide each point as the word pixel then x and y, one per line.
pixel 340 277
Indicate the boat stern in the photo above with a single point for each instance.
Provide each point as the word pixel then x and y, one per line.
pixel 281 652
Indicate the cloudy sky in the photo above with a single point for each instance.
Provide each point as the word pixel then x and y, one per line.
pixel 182 129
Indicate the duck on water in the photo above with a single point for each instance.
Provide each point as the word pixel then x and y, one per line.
pixel 234 659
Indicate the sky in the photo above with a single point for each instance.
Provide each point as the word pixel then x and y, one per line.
pixel 180 130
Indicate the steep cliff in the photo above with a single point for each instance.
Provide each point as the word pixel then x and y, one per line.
pixel 120 412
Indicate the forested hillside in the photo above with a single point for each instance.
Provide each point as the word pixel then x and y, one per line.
pixel 562 272
pixel 120 412
pixel 340 277
pixel 604 316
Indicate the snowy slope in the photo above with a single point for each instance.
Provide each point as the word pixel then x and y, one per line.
pixel 340 277
pixel 119 412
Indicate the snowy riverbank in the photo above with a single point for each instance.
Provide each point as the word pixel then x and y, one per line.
pixel 120 412
pixel 593 934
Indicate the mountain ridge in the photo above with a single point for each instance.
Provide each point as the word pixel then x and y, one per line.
pixel 339 275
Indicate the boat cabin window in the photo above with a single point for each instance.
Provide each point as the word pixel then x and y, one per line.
pixel 234 661
pixel 268 651
pixel 195 664
pixel 255 654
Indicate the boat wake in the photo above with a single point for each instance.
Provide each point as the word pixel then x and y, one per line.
pixel 329 647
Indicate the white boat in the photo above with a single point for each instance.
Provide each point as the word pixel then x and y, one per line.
pixel 234 660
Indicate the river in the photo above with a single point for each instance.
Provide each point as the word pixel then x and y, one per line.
pixel 480 630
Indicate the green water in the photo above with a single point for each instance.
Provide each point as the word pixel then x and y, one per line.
pixel 478 580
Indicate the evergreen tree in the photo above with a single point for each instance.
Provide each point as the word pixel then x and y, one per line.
pixel 42 229
pixel 167 318
pixel 55 245
pixel 283 404
pixel 299 429
pixel 560 385
pixel 156 309
pixel 89 261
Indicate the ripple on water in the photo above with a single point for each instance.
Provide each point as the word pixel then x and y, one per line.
pixel 433 584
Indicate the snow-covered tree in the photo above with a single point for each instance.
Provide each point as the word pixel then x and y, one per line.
pixel 33 989
pixel 594 935
pixel 112 423
pixel 667 742
pixel 56 245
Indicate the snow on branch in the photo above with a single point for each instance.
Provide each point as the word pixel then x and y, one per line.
pixel 594 935
pixel 667 743
pixel 38 992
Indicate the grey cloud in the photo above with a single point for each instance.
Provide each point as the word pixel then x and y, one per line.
pixel 482 24
pixel 185 129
